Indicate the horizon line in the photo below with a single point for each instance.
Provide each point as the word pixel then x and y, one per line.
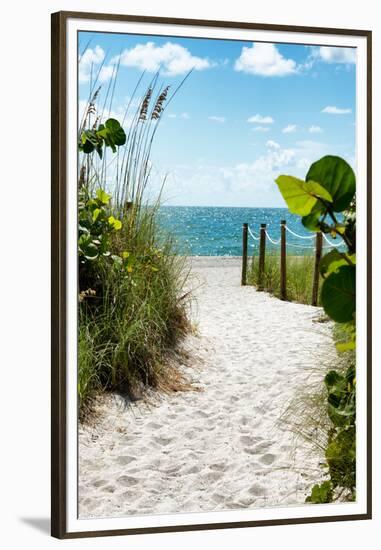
pixel 218 206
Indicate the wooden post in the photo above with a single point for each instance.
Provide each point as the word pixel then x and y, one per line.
pixel 262 252
pixel 318 253
pixel 283 277
pixel 244 254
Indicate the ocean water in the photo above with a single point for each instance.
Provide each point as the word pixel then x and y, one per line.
pixel 217 231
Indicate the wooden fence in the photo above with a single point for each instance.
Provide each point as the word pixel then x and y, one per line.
pixel 282 259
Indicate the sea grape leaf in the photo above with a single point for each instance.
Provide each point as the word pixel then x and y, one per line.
pixel 346 346
pixel 96 213
pixel 91 251
pixel 102 196
pixel 321 494
pixel 311 221
pixel 337 177
pixel 333 260
pixel 116 131
pixel 338 294
pixel 301 196
pixel 116 224
pixel 333 378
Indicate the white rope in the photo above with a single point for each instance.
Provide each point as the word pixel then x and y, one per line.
pixel 270 239
pixel 334 245
pixel 299 236
pixel 252 234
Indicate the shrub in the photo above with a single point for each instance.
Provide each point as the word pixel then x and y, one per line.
pixel 299 271
pixel 132 307
pixel 329 188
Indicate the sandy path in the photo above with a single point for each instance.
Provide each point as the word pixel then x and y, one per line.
pixel 220 448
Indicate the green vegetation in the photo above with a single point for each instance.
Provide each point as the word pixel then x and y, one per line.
pixel 132 306
pixel 299 271
pixel 329 188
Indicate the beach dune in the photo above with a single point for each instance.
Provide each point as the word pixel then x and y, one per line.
pixel 223 447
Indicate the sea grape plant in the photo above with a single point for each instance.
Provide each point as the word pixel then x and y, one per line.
pixel 325 200
pixel 110 134
pixel 95 225
pixel 327 191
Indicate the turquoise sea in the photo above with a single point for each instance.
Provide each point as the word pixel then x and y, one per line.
pixel 217 231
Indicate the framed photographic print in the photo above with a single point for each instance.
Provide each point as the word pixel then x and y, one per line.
pixel 211 274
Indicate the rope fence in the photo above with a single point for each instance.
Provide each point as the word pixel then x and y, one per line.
pixel 321 241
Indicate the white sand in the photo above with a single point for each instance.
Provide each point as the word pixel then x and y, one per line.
pixel 222 447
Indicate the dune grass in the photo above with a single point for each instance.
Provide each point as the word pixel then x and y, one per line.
pixel 307 415
pixel 132 309
pixel 299 271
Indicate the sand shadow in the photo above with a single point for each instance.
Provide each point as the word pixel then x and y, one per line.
pixel 40 524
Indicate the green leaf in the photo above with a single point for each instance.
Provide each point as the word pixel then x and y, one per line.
pixel 333 378
pixel 87 147
pixel 345 346
pixel 112 124
pixel 337 177
pixel 338 294
pixel 333 260
pixel 100 150
pixel 96 213
pixel 116 224
pixel 301 196
pixel 116 131
pixel 103 197
pixel 91 251
pixel 321 494
pixel 90 135
pixel 311 221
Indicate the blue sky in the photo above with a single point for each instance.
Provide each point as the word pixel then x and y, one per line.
pixel 247 113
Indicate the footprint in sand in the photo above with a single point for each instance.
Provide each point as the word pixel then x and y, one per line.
pixel 267 459
pixel 193 470
pixel 213 476
pixel 109 489
pixel 99 483
pixel 125 459
pixel 218 466
pixel 257 490
pixel 127 481
pixel 163 441
pixel 203 414
pixel 248 440
pixel 218 498
pixel 154 425
pixel 262 447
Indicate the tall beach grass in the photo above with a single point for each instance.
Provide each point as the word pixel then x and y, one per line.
pixel 299 273
pixel 131 317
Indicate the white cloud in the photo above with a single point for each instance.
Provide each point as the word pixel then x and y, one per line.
pixel 184 116
pixel 272 144
pixel 259 119
pixel 264 60
pixel 241 184
pixel 171 58
pixel 87 64
pixel 106 73
pixel 330 54
pixel 260 129
pixel 289 129
pixel 249 182
pixel 315 129
pixel 332 110
pixel 217 118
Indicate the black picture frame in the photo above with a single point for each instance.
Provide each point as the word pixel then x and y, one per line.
pixel 58 274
